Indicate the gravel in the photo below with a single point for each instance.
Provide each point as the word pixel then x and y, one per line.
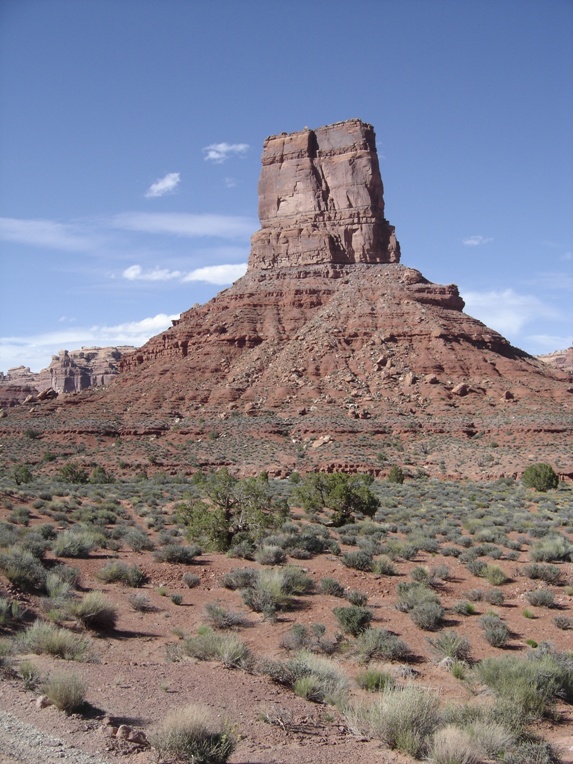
pixel 20 743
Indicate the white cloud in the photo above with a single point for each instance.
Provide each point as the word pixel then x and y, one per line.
pixel 165 185
pixel 476 241
pixel 46 234
pixel 552 280
pixel 212 274
pixel 547 343
pixel 218 274
pixel 506 311
pixel 136 273
pixel 186 224
pixel 220 152
pixel 36 350
pixel 230 182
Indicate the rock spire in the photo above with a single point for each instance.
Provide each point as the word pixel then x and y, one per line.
pixel 321 200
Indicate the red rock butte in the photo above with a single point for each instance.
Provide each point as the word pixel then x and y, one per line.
pixel 327 346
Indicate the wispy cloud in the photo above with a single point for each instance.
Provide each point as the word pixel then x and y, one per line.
pixel 476 241
pixel 547 343
pixel 211 274
pixel 220 152
pixel 507 311
pixel 47 234
pixel 136 273
pixel 230 182
pixel 186 224
pixel 559 280
pixel 218 274
pixel 36 350
pixel 163 186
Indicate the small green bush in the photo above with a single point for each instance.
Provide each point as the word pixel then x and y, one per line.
pixel 66 691
pixel 331 586
pixel 450 644
pixel 540 476
pixel 563 622
pixel 118 572
pixel 396 475
pixel 221 617
pixel 494 630
pixel 191 580
pixel 75 543
pixel 494 597
pixel 240 578
pixel 177 553
pixel 208 645
pixel 358 560
pixel 383 566
pixel 451 745
pixel 494 575
pixel 270 555
pixel 22 569
pixel 195 735
pixel 353 619
pixel 373 680
pixel 427 615
pixel 550 574
pixel 540 598
pixel 552 548
pixel 381 644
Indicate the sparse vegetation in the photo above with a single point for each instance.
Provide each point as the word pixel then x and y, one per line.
pixel 195 735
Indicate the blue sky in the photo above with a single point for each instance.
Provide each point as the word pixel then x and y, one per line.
pixel 131 133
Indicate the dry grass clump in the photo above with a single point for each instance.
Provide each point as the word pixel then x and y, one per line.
pixel 95 612
pixel 403 718
pixel 46 638
pixel 66 691
pixel 195 735
pixel 451 745
pixel 207 645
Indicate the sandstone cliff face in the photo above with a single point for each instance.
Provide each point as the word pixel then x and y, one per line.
pixel 321 200
pixel 69 371
pixel 559 359
pixel 75 370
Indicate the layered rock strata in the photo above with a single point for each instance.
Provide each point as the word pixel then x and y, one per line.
pixel 321 200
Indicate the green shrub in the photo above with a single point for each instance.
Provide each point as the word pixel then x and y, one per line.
pixel 331 586
pixel 494 597
pixel 552 548
pixel 195 735
pixel 540 476
pixel 494 630
pixel 328 684
pixel 73 473
pixel 270 555
pixel 46 638
pixel 22 474
pixel 550 574
pixel 177 553
pixel 531 684
pixel 563 622
pixel 141 603
pixel 301 637
pixel 356 598
pixel 118 572
pixel 208 645
pixel 463 607
pixel 138 540
pixel 11 612
pixel 450 644
pixel 402 718
pixel 191 580
pixel 95 612
pixel 221 617
pixel 427 615
pixel 358 560
pixel 540 598
pixel 75 543
pixel 240 578
pixel 22 569
pixel 494 575
pixel 66 691
pixel 374 680
pixel 381 644
pixel 411 594
pixel 353 619
pixel 396 475
pixel 383 566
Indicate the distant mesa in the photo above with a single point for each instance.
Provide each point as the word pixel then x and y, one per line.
pixel 559 359
pixel 69 371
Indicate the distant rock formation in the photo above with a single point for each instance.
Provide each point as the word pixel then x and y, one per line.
pixel 69 371
pixel 559 359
